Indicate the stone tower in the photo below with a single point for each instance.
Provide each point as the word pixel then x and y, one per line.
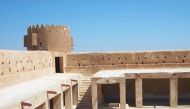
pixel 49 38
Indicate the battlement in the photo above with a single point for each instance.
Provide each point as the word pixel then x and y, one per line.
pixel 37 28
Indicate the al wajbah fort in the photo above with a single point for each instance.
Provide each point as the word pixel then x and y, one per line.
pixel 49 75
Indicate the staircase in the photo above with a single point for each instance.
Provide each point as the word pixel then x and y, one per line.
pixel 85 92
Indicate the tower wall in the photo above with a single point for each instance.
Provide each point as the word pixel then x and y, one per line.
pixel 49 38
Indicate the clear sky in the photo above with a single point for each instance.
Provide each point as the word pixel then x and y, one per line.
pixel 101 25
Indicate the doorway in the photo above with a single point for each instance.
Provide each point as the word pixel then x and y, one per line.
pixel 130 92
pixel 183 91
pixel 111 95
pixel 59 66
pixel 156 92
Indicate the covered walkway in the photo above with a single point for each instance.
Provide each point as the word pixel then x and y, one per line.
pixel 109 88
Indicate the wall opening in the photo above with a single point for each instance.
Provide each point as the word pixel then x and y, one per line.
pixel 51 103
pixel 183 91
pixel 59 65
pixel 55 102
pixel 130 92
pixel 156 92
pixel 110 95
pixel 64 99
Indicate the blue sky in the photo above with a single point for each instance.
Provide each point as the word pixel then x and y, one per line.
pixel 101 25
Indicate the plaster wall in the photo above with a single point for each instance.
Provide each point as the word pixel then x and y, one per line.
pixel 92 62
pixel 19 66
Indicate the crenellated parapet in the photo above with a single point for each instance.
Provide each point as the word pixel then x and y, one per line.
pixel 38 28
pixel 49 38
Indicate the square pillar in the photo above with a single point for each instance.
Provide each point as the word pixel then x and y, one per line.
pixel 75 94
pixel 173 92
pixel 94 94
pixel 58 102
pixel 47 103
pixel 100 95
pixel 138 92
pixel 26 105
pixel 68 99
pixel 122 94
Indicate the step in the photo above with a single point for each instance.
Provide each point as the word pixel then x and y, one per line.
pixel 85 88
pixel 85 101
pixel 86 98
pixel 85 83
pixel 84 106
pixel 86 95
pixel 89 78
pixel 85 80
pixel 89 74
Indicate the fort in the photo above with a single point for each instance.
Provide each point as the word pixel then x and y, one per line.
pixel 50 76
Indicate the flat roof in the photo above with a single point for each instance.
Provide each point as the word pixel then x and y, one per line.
pixel 14 94
pixel 122 72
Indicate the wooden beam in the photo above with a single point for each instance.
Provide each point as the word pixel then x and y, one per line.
pixel 25 104
pixel 51 92
pixel 65 86
pixel 73 82
pixel 183 75
pixel 155 75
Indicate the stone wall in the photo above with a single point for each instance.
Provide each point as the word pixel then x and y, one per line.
pixel 92 62
pixel 19 66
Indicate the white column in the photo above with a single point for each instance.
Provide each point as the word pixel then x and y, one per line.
pixel 94 94
pixel 68 99
pixel 47 103
pixel 173 92
pixel 75 94
pixel 122 94
pixel 138 92
pixel 57 102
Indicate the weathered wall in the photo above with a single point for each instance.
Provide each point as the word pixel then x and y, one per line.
pixel 92 62
pixel 19 66
pixel 50 38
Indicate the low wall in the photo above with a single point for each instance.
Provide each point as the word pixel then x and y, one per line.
pixel 92 62
pixel 19 66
